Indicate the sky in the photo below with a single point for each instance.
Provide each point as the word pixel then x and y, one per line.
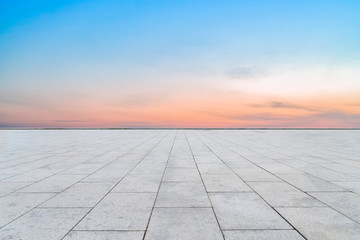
pixel 232 63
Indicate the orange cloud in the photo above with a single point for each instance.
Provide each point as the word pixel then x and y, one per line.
pixel 217 109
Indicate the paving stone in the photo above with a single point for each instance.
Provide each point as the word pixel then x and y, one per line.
pixel 43 223
pixel 183 223
pixel 108 174
pixel 278 168
pixel 181 163
pixel 182 194
pixel 345 202
pixel 329 175
pixel 14 205
pixel 321 223
pixel 148 169
pixel 214 169
pixel 139 183
pixel 55 183
pixel 181 174
pixel 120 211
pixel 102 160
pixel 351 186
pixel 224 183
pixel 9 187
pixel 33 175
pixel 235 161
pixel 80 195
pixel 245 211
pixel 255 174
pixel 83 169
pixel 104 235
pixel 262 235
pixel 355 175
pixel 279 194
pixel 208 158
pixel 342 168
pixel 308 183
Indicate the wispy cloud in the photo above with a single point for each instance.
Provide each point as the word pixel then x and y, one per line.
pixel 341 117
pixel 323 119
pixel 276 104
pixel 245 73
pixel 70 121
pixel 285 105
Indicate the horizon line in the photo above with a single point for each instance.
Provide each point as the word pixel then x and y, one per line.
pixel 181 128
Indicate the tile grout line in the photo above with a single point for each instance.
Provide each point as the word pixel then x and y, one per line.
pixel 157 193
pixel 207 193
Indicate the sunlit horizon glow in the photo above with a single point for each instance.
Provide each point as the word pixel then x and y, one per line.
pixel 190 64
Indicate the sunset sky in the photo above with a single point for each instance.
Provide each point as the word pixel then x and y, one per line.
pixel 274 63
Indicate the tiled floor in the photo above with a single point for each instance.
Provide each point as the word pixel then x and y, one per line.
pixel 180 184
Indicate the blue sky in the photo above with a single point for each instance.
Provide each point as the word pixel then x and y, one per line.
pixel 261 49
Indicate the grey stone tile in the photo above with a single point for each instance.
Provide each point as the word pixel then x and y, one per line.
pixel 308 183
pixel 14 205
pixel 181 174
pixel 104 235
pixel 61 165
pixel 245 211
pixel 9 187
pixel 120 211
pixel 139 183
pixel 343 168
pixel 183 223
pixel 148 169
pixel 6 175
pixel 351 186
pixel 33 175
pixel 321 223
pixel 108 174
pixel 279 194
pixel 105 159
pixel 355 175
pixel 236 162
pixel 345 202
pixel 299 164
pixel 329 175
pixel 214 169
pixel 56 183
pixel 209 159
pixel 182 194
pixel 180 163
pixel 83 169
pixel 80 195
pixel 262 235
pixel 224 183
pixel 255 174
pixel 278 168
pixel 45 223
